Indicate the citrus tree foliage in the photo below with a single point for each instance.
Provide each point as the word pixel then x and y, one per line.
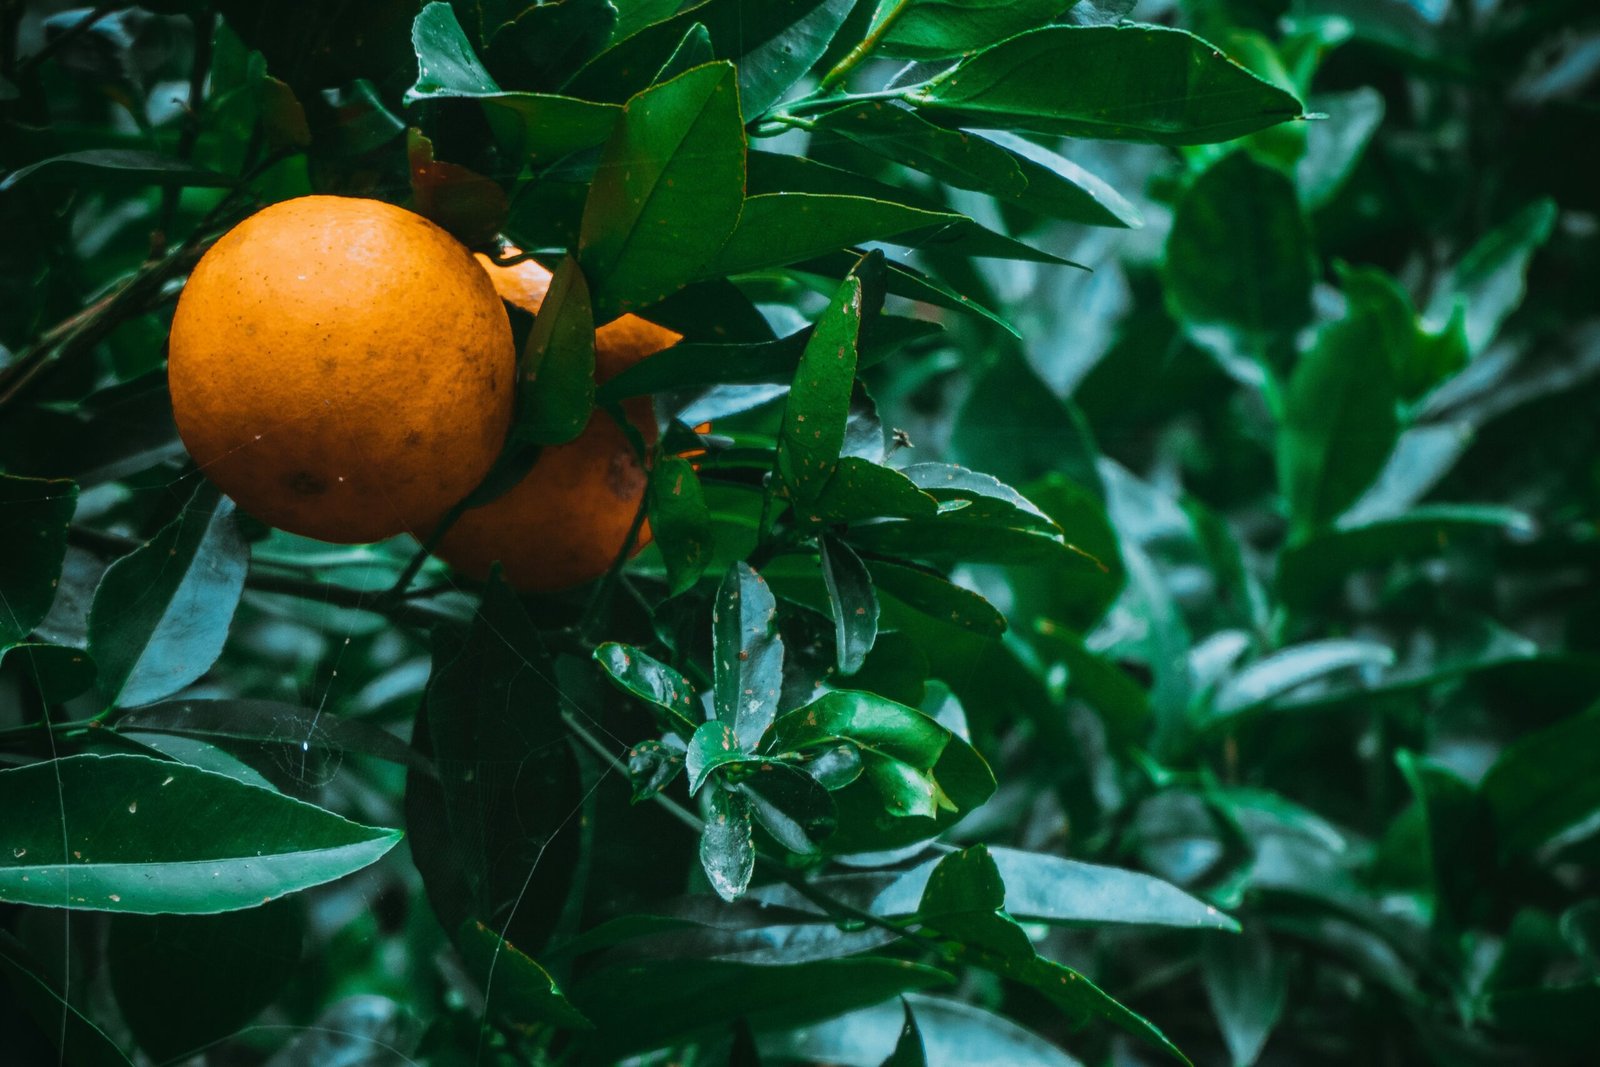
pixel 1121 581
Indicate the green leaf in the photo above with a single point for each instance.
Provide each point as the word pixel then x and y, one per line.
pixel 516 987
pixel 1129 83
pixel 938 598
pixel 747 655
pixel 123 165
pixel 1239 255
pixel 667 191
pixel 544 45
pixel 1544 783
pixel 907 282
pixel 1289 668
pixel 1421 360
pixel 939 29
pixel 852 602
pixel 1248 986
pixel 693 50
pixel 1339 420
pixel 712 746
pixel 59 672
pixel 161 613
pixel 871 721
pixel 727 849
pixel 952 1031
pixel 983 497
pixel 1559 1016
pixel 997 163
pixel 538 126
pixel 148 836
pixel 34 516
pixel 680 522
pixel 652 765
pixel 861 489
pixel 908 1048
pixel 650 680
pixel 949 539
pixel 1122 704
pixel 497 824
pixel 78 1038
pixel 1336 146
pixel 223 968
pixel 818 406
pixel 1049 889
pixel 780 228
pixel 1491 278
pixel 557 366
pixel 790 804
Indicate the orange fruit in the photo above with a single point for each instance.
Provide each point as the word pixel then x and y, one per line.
pixel 565 521
pixel 341 368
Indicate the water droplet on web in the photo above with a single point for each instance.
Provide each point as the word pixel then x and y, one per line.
pixel 133 807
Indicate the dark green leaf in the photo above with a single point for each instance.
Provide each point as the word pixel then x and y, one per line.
pixel 908 1048
pixel 871 721
pixel 727 849
pixel 667 191
pixel 818 406
pixel 952 1031
pixel 34 515
pixel 161 613
pixel 545 45
pixel 557 366
pixel 79 1039
pixel 938 598
pixel 1248 985
pixel 223 968
pixel 949 539
pixel 1491 277
pixel 153 837
pixel 1239 255
pixel 693 50
pixel 747 654
pixel 649 679
pixel 983 498
pixel 680 522
pixel 852 602
pixel 907 282
pixel 652 765
pixel 1289 668
pixel 860 489
pixel 59 672
pixel 938 29
pixel 1421 360
pixel 120 165
pixel 712 746
pixel 1134 83
pixel 516 987
pixel 790 804
pixel 1545 783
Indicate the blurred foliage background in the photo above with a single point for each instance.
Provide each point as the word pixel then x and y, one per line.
pixel 1321 409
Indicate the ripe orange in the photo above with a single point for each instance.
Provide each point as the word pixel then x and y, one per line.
pixel 341 368
pixel 565 522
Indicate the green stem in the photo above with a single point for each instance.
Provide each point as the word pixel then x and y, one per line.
pixel 854 57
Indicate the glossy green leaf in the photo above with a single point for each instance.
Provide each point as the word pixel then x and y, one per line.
pixel 516 987
pixel 871 721
pixel 1247 982
pixel 747 655
pixel 1421 360
pixel 557 366
pixel 34 515
pixel 727 849
pixel 790 804
pixel 1292 667
pixel 938 598
pixel 852 602
pixel 939 29
pixel 161 613
pixel 1334 147
pixel 818 405
pixel 1239 255
pixel 1544 783
pixel 652 765
pixel 1131 83
pixel 982 497
pixel 907 281
pixel 712 746
pixel 224 968
pixel 693 50
pixel 153 837
pixel 680 522
pixel 650 680
pixel 1339 420
pixel 667 191
pixel 950 539
pixel 861 489
pixel 119 165
pixel 1491 278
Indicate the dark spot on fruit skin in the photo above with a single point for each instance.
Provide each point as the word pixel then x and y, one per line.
pixel 305 483
pixel 413 438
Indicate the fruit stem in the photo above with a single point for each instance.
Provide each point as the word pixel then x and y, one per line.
pixel 861 50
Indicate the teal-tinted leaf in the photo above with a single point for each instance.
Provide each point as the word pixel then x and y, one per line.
pixel 517 988
pixel 1292 667
pixel 938 598
pixel 952 1031
pixel 790 804
pixel 836 766
pixel 1335 146
pixel 59 672
pixel 667 191
pixel 556 372
pixel 1050 889
pixel 227 968
pixel 652 765
pixel 769 67
pixel 195 753
pixel 161 613
pixel 1239 255
pixel 1248 985
pixel 1491 277
pixel 544 128
pixel 949 539
pixel 80 1041
pixel 446 63
pixel 908 1048
pixel 907 282
pixel 852 601
pixel 1059 188
pixel 860 489
pixel 1421 360
pixel 1122 704
pixel 780 228
pixel 545 45
pixel 984 498
pixel 939 29
pixel 127 165
pixel 818 406
pixel 149 836
pixel 747 655
pixel 34 515
pixel 727 848
pixel 497 824
pixel 712 746
pixel 293 731
pixel 646 1005
pixel 1135 83
pixel 1545 783
pixel 680 522
pixel 650 680
pixel 1339 420
pixel 693 50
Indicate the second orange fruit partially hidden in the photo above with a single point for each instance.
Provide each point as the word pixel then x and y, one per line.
pixel 565 522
